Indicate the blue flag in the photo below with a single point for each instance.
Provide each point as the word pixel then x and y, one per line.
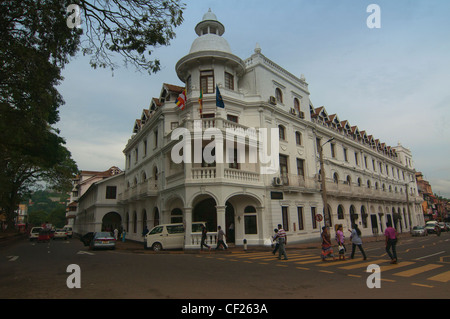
pixel 219 100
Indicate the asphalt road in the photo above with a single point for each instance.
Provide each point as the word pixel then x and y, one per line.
pixel 40 270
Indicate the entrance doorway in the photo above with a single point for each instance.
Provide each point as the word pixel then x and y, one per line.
pixel 111 221
pixel 229 222
pixel 205 211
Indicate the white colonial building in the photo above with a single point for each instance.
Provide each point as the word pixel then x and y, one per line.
pixel 366 181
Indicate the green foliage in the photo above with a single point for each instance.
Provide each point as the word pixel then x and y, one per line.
pixel 36 43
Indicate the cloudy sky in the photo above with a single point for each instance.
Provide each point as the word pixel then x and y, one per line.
pixel 393 81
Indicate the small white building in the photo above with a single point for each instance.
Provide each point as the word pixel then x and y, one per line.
pixel 367 182
pixel 97 207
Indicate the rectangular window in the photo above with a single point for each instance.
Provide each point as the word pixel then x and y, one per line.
pixel 111 192
pixel 207 81
pixel 345 155
pixel 300 218
pixel 284 169
pixel 250 225
pixel 285 216
pixel 300 167
pixel 276 195
pixel 174 125
pixel 232 118
pixel 229 81
pixel 145 148
pixel 356 159
pixel 155 139
pixel 333 150
pixel 313 217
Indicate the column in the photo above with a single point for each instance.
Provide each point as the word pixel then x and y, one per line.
pixel 220 211
pixel 188 228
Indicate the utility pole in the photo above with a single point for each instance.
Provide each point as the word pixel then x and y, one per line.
pixel 407 205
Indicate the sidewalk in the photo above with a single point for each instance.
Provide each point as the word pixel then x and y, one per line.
pixel 138 247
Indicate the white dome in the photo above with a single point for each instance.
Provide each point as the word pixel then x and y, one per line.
pixel 209 16
pixel 210 42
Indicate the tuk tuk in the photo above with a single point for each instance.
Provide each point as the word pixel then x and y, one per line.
pixel 44 236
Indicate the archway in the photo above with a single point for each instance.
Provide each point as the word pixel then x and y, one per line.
pixel 205 211
pixel 229 222
pixel 111 221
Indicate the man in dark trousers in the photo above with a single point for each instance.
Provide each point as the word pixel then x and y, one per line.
pixel 220 236
pixel 204 231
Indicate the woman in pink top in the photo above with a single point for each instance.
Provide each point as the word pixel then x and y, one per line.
pixel 391 242
pixel 340 241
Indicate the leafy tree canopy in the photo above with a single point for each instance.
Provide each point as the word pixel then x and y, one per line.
pixel 35 44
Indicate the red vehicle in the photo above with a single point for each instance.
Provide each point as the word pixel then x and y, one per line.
pixel 44 236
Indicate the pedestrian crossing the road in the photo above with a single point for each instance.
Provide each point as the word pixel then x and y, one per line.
pixel 427 274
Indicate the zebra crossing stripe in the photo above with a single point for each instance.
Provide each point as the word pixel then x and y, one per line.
pixel 443 277
pixel 418 270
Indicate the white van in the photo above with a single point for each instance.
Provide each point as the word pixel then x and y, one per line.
pixel 69 231
pixel 168 236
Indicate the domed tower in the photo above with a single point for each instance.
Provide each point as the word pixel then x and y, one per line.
pixel 210 61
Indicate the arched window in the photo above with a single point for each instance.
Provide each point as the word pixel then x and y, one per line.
pixel 340 212
pixel 349 180
pixel 297 105
pixel 336 178
pixel 279 95
pixel 359 182
pixel 144 219
pixel 364 216
pixel 156 217
pixel 134 222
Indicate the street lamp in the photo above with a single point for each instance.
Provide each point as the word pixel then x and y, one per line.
pixel 322 176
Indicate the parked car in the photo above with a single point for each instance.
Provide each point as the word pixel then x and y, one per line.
pixel 87 238
pixel 419 231
pixel 60 234
pixel 443 226
pixel 69 231
pixel 168 236
pixel 34 233
pixel 431 228
pixel 103 240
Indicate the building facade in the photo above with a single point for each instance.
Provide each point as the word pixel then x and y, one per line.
pixel 82 182
pixel 363 181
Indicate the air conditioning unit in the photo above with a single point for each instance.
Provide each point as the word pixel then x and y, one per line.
pixel 301 115
pixel 273 100
pixel 277 181
pixel 292 111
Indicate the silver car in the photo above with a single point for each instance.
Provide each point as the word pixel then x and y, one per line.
pixel 419 231
pixel 103 240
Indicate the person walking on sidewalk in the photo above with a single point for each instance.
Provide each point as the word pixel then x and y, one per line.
pixel 220 237
pixel 274 239
pixel 327 249
pixel 204 232
pixel 340 241
pixel 355 237
pixel 282 240
pixel 391 242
